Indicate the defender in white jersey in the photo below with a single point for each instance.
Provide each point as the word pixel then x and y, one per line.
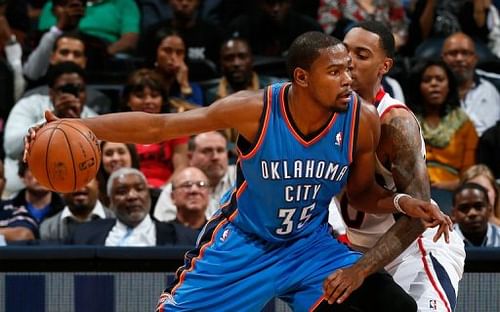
pixel 429 271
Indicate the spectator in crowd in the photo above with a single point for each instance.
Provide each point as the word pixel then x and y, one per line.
pixel 272 27
pixel 482 175
pixel 81 206
pixel 116 22
pixel 113 157
pixel 336 17
pixel 66 83
pixel 68 47
pixel 479 98
pixel 39 202
pixel 236 62
pixel 471 212
pixel 15 222
pixel 190 195
pixel 450 137
pixel 202 37
pixel 130 200
pixel 170 63
pixel 489 149
pixel 208 152
pixel 144 92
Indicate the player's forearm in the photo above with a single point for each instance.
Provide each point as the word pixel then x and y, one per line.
pixel 375 200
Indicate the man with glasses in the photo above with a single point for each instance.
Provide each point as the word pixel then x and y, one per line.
pixel 479 98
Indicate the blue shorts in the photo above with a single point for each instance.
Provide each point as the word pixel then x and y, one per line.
pixel 232 271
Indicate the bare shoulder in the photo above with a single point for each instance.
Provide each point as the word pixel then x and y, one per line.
pixel 368 129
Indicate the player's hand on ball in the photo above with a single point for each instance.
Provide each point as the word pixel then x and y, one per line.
pixel 430 214
pixel 339 285
pixel 30 136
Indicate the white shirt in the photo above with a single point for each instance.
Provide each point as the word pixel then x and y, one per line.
pixel 482 104
pixel 97 211
pixel 144 234
pixel 165 209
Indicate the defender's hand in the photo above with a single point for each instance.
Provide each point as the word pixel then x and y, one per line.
pixel 340 284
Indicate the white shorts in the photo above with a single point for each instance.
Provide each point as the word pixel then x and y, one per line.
pixel 430 272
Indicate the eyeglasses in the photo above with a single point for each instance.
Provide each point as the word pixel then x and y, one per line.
pixel 189 184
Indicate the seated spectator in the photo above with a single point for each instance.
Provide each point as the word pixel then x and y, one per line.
pixel 478 97
pixel 39 202
pixel 170 63
pixel 130 200
pixel 116 22
pixel 81 206
pixel 66 48
pixel 202 37
pixel 144 92
pixel 15 222
pixel 481 174
pixel 336 17
pixel 114 156
pixel 489 149
pixel 190 195
pixel 66 83
pixel 450 137
pixel 471 212
pixel 208 152
pixel 272 27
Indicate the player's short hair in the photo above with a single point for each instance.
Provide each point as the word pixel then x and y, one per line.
pixel 123 171
pixel 469 186
pixel 305 49
pixel 57 70
pixel 385 35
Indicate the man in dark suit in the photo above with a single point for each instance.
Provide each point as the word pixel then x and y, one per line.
pixel 131 201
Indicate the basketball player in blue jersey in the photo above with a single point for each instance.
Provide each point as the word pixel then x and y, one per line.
pixel 428 270
pixel 299 144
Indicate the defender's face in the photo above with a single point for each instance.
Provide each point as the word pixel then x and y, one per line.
pixel 330 80
pixel 367 56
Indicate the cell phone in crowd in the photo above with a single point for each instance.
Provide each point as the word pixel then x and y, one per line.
pixel 71 89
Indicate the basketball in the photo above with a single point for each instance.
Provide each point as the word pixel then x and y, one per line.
pixel 64 156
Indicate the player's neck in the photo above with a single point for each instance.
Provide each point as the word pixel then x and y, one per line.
pixel 369 94
pixel 307 116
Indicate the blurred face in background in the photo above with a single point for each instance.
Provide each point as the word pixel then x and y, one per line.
pixel 69 50
pixel 83 199
pixel 130 198
pixel 276 10
pixel 147 100
pixel 459 53
pixel 485 182
pixel 236 62
pixel 472 211
pixel 184 8
pixel 210 154
pixel 115 156
pixel 434 85
pixel 68 95
pixel 190 190
pixel 170 54
pixel 32 185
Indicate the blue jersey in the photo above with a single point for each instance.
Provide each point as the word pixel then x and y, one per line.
pixel 285 181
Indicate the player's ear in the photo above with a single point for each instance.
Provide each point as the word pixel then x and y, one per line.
pixel 387 65
pixel 300 77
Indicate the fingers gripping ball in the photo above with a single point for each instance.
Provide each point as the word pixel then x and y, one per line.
pixel 64 156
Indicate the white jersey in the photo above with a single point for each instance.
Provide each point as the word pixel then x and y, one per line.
pixel 364 229
pixel 428 271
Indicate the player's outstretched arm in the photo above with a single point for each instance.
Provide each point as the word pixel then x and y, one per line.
pixel 240 111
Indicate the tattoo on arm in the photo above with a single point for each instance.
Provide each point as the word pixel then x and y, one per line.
pixel 410 176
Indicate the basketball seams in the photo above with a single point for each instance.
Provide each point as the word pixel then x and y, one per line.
pixel 47 153
pixel 72 157
pixel 88 141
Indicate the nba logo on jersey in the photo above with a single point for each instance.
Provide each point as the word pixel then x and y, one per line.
pixel 433 304
pixel 224 236
pixel 338 139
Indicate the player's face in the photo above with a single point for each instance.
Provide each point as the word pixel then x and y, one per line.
pixel 84 199
pixel 329 80
pixel 69 50
pixel 130 199
pixel 210 154
pixel 115 156
pixel 236 62
pixel 460 54
pixel 434 85
pixel 472 211
pixel 369 62
pixel 190 190
pixel 146 100
pixel 170 54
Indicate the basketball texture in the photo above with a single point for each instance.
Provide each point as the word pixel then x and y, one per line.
pixel 64 156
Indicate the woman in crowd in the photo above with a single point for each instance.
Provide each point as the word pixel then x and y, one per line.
pixel 450 137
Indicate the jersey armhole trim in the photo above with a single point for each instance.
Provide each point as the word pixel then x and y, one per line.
pixel 354 128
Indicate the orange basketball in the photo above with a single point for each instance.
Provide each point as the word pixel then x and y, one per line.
pixel 64 156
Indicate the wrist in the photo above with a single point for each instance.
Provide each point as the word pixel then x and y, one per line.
pixel 397 201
